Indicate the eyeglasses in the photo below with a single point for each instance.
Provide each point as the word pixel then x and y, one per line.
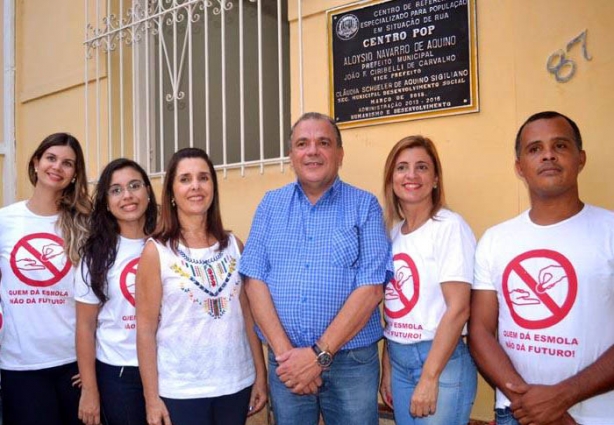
pixel 117 190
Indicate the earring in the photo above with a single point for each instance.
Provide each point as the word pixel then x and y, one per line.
pixel 148 199
pixel 173 202
pixel 435 186
pixel 36 171
pixel 74 179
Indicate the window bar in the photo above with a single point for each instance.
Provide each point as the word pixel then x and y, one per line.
pixel 86 77
pixel 190 10
pixel 109 82
pixel 135 79
pixel 260 89
pixel 241 89
pixel 223 52
pixel 280 86
pixel 300 57
pixel 160 83
pixel 97 61
pixel 174 81
pixel 147 99
pixel 207 113
pixel 121 82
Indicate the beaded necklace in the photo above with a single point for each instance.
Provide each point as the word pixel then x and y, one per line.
pixel 210 276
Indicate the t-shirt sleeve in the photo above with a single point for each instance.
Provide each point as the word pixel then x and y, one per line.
pixel 483 279
pixel 83 291
pixel 254 260
pixel 375 260
pixel 455 251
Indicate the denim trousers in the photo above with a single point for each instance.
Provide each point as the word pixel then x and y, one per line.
pixel 44 396
pixel 228 409
pixel 457 384
pixel 121 394
pixel 505 417
pixel 348 395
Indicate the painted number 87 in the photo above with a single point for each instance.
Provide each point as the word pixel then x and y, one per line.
pixel 560 66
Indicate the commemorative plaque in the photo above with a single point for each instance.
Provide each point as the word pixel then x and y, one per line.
pixel 397 60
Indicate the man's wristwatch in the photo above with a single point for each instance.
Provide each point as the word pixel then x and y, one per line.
pixel 323 358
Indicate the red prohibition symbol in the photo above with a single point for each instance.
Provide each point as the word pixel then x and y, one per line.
pixel 38 259
pixel 550 288
pixel 404 274
pixel 127 280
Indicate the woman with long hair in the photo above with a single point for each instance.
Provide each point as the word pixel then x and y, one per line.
pixel 124 214
pixel 200 359
pixel 39 245
pixel 428 376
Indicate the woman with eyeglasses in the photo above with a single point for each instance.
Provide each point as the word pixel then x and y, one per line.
pixel 39 245
pixel 124 214
pixel 199 356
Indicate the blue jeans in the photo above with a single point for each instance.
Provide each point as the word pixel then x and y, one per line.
pixel 228 409
pixel 505 417
pixel 348 395
pixel 121 394
pixel 44 396
pixel 457 384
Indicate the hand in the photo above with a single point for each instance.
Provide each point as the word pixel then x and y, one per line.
pixel 424 400
pixel 259 396
pixel 51 250
pixel 29 264
pixel 538 404
pixel 76 380
pixel 522 297
pixel 385 388
pixel 549 277
pixel 157 414
pixel 89 407
pixel 565 420
pixel 299 371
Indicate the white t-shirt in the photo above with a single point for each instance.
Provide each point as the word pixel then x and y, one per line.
pixel 116 333
pixel 36 292
pixel 203 349
pixel 441 250
pixel 555 287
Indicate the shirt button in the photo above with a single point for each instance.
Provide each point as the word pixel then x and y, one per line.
pixel 309 238
pixel 303 300
pixel 306 265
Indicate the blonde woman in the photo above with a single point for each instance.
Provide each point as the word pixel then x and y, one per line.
pixel 428 376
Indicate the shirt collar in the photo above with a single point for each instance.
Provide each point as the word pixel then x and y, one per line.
pixel 330 192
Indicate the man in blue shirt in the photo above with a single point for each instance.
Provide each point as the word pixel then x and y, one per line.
pixel 315 263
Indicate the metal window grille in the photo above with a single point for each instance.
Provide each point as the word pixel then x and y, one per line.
pixel 161 75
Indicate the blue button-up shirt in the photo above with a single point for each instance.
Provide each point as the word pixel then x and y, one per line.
pixel 313 256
